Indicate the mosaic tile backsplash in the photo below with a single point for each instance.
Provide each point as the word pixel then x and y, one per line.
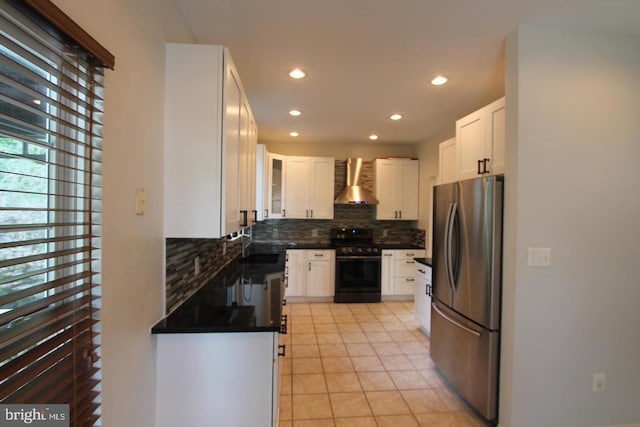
pixel 181 281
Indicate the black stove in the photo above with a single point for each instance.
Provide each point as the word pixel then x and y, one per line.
pixel 354 241
pixel 358 263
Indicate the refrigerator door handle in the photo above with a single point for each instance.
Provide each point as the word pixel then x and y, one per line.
pixel 453 322
pixel 453 209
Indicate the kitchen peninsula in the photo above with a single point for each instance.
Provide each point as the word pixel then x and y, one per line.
pixel 218 352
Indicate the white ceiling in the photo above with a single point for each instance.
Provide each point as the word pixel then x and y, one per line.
pixel 367 59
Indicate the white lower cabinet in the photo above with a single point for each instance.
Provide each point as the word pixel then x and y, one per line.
pixel 423 297
pixel 310 273
pixel 398 271
pixel 295 273
pixel 222 379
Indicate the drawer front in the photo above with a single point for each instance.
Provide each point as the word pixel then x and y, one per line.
pixel 409 253
pixel 405 285
pixel 423 272
pixel 405 268
pixel 319 255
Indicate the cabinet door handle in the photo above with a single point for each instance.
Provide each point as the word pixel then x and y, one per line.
pixel 311 213
pixel 245 215
pixel 284 301
pixel 409 262
pixel 306 213
pixel 309 266
pixel 282 353
pixel 318 255
pixel 400 214
pixel 283 324
pixel 485 161
pixel 266 213
pixel 284 213
pixel 480 162
pixel 428 290
pixel 255 216
pixel 410 279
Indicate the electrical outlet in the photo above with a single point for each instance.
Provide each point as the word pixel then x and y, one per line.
pixel 599 382
pixel 196 265
pixel 274 233
pixel 539 257
pixel 314 232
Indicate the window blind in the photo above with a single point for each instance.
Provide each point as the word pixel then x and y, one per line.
pixel 51 107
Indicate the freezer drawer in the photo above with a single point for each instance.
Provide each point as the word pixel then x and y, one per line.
pixel 467 355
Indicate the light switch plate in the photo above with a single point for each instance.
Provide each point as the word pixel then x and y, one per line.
pixel 539 257
pixel 140 201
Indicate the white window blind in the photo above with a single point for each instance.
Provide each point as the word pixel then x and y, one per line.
pixel 51 107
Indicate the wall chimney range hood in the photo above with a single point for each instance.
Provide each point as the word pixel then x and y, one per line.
pixel 353 194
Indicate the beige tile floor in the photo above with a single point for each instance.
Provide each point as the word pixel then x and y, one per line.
pixel 362 365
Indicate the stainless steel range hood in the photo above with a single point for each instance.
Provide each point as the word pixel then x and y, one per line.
pixel 353 194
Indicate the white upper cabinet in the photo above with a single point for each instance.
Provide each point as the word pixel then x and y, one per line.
pixel 308 187
pixel 208 143
pixel 480 139
pixel 262 180
pixel 231 149
pixel 276 186
pixel 396 188
pixel 448 169
pixel 247 175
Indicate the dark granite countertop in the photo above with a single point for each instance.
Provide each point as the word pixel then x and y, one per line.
pixel 424 261
pixel 318 246
pixel 399 246
pixel 246 296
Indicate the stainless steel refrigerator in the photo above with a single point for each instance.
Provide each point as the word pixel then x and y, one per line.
pixel 467 282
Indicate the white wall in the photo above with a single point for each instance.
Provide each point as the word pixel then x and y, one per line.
pixel 132 292
pixel 572 182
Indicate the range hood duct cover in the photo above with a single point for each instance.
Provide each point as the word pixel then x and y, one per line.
pixel 353 194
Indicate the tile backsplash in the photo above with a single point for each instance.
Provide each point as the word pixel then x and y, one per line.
pixel 181 280
pixel 310 231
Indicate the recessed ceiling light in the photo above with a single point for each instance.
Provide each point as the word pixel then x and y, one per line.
pixel 293 134
pixel 373 137
pixel 439 80
pixel 395 116
pixel 297 73
pixel 295 113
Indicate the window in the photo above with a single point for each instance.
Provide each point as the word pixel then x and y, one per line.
pixel 51 103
